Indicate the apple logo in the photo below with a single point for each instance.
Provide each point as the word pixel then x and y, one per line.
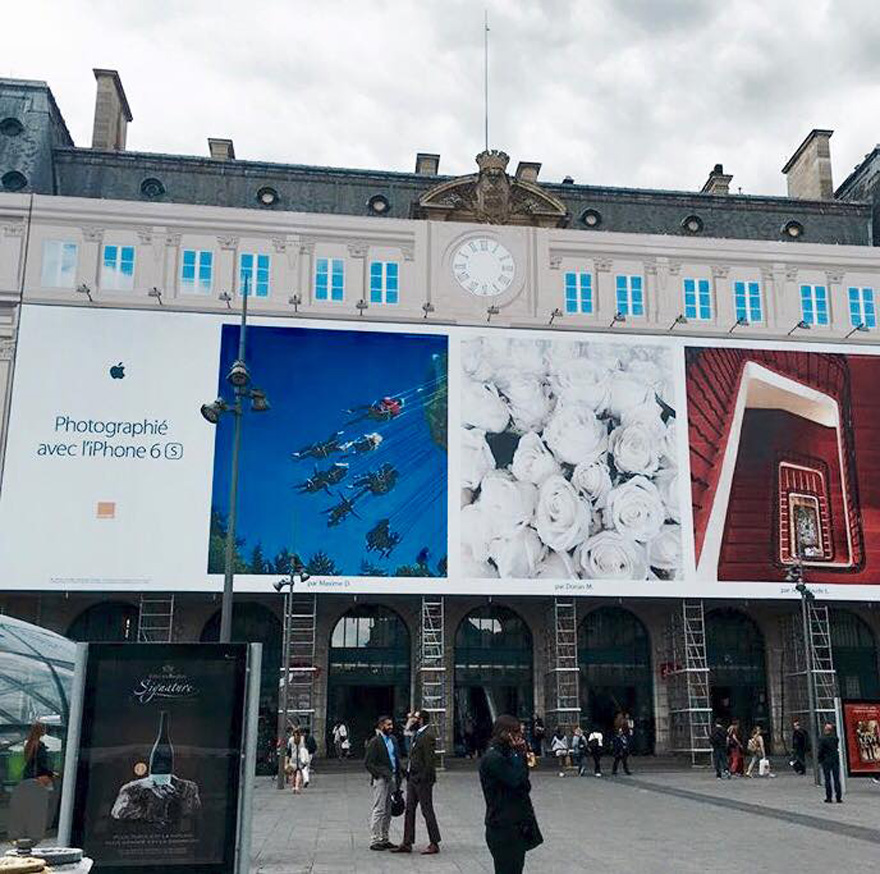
pixel 117 371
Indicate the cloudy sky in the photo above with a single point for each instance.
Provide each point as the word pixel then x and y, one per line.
pixel 646 93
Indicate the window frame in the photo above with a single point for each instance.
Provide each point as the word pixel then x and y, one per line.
pixel 699 307
pixel 197 284
pixel 383 288
pixel 111 275
pixel 866 306
pixel 326 287
pixel 751 289
pixel 255 268
pixel 630 292
pixel 577 287
pixel 64 247
pixel 810 316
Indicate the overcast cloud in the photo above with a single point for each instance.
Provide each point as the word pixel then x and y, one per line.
pixel 646 93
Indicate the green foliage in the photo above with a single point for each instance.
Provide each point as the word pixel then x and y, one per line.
pixel 258 564
pixel 321 565
pixel 217 547
pixel 368 569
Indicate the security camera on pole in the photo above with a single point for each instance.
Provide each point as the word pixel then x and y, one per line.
pixel 239 378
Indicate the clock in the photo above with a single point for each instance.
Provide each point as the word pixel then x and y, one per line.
pixel 483 267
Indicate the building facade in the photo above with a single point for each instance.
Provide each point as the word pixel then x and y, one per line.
pixel 771 299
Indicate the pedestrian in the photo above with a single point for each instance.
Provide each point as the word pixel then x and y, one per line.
pixel 735 760
pixel 538 734
pixel 829 758
pixel 798 748
pixel 759 754
pixel 311 746
pixel 36 757
pixel 341 742
pixel 298 761
pixel 511 827
pixel 594 745
pixel 718 742
pixel 468 731
pixel 579 750
pixel 621 751
pixel 420 779
pixel 559 749
pixel 409 731
pixel 382 760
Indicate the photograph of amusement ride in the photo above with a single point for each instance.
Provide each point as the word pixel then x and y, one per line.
pixel 348 470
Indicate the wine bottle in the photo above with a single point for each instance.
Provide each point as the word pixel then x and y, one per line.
pixel 162 755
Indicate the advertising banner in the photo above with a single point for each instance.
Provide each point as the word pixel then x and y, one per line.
pixel 157 783
pixel 861 720
pixel 437 459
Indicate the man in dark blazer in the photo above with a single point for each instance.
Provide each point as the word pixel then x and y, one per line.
pixel 420 787
pixel 382 760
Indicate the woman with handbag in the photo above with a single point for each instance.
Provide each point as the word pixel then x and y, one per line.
pixel 511 827
pixel 735 762
pixel 758 752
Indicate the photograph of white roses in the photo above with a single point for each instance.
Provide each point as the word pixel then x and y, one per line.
pixel 569 462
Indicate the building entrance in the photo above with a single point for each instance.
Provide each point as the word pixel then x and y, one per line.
pixel 493 674
pixel 369 673
pixel 855 655
pixel 614 656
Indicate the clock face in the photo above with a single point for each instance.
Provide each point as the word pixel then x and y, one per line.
pixel 483 267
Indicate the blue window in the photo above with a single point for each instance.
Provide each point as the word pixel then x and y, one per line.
pixel 384 282
pixel 254 270
pixel 59 264
pixel 861 307
pixel 117 268
pixel 697 299
pixel 330 279
pixel 196 272
pixel 579 292
pixel 630 296
pixel 814 304
pixel 747 300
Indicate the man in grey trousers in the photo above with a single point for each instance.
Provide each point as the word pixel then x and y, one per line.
pixel 382 760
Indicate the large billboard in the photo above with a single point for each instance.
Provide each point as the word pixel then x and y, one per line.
pixel 437 459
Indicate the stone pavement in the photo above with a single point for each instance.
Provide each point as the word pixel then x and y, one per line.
pixel 680 822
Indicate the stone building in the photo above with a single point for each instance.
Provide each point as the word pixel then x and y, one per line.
pixel 102 228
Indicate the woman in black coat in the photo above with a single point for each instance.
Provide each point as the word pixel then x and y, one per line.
pixel 511 826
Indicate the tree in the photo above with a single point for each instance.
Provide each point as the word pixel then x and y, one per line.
pixel 259 565
pixel 368 569
pixel 217 547
pixel 321 565
pixel 281 562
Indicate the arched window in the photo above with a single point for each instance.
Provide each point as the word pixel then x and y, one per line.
pixel 107 622
pixel 854 650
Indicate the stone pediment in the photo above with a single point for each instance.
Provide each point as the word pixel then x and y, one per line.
pixel 490 196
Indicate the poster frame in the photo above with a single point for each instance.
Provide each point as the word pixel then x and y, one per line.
pixel 847 748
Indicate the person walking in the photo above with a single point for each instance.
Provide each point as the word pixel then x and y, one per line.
pixel 594 745
pixel 511 826
pixel 382 760
pixel 559 749
pixel 735 761
pixel 828 755
pixel 341 742
pixel 579 751
pixel 621 751
pixel 718 742
pixel 799 740
pixel 299 760
pixel 311 746
pixel 759 754
pixel 420 779
pixel 538 734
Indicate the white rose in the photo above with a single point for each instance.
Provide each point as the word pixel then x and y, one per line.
pixel 664 551
pixel 560 352
pixel 635 509
pixel 506 503
pixel 562 518
pixel 481 406
pixel 609 556
pixel 670 444
pixel 575 435
pixel 611 355
pixel 532 461
pixel 556 566
pixel 593 481
pixel 648 371
pixel 528 400
pixel 476 457
pixel 525 356
pixel 582 381
pixel 517 556
pixel 628 391
pixel 474 532
pixel 635 449
pixel 667 484
pixel 475 360
pixel 649 415
pixel 472 568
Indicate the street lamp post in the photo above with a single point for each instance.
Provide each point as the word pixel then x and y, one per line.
pixel 239 378
pixel 297 575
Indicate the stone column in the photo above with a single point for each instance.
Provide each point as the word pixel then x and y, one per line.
pixel 171 266
pixel 838 305
pixel 725 312
pixel 602 268
pixel 227 267
pixel 89 267
pixel 359 274
pixel 307 270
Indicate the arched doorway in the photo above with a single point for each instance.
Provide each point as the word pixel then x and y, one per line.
pixel 614 657
pixel 254 623
pixel 854 650
pixel 493 673
pixel 737 669
pixel 107 622
pixel 369 672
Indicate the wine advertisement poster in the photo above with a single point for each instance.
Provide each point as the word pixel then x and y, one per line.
pixel 861 721
pixel 158 776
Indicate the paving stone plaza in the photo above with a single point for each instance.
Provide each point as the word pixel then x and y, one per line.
pixel 658 821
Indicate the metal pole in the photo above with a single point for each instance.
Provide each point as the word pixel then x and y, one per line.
pixel 285 676
pixel 811 689
pixel 71 752
pixel 229 569
pixel 249 761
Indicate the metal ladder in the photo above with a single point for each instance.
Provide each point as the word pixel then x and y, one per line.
pixel 690 707
pixel 432 667
pixel 155 619
pixel 562 704
pixel 300 660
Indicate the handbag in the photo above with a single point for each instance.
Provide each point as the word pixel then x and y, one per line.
pixel 764 767
pixel 398 804
pixel 530 833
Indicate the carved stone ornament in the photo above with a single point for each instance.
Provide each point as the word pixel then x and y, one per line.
pixel 7 348
pixel 834 277
pixel 358 249
pixel 720 271
pixel 93 234
pixel 604 265
pixel 492 197
pixel 791 272
pixel 674 268
pixel 408 250
pixel 145 235
pixel 650 268
pixel 306 247
pixel 173 240
pixel 13 229
pixel 555 262
pixel 279 244
pixel 227 243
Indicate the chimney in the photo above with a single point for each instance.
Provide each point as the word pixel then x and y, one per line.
pixel 527 171
pixel 808 170
pixel 718 181
pixel 426 164
pixel 221 150
pixel 112 113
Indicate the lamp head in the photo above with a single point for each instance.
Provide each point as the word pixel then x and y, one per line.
pixel 239 375
pixel 259 401
pixel 212 412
